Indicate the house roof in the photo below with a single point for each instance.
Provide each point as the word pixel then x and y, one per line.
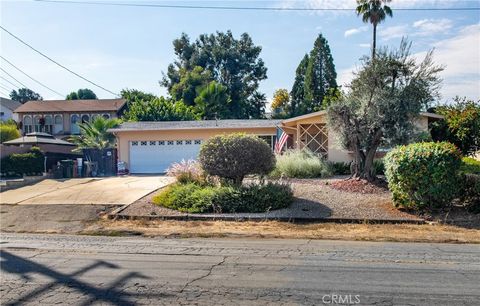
pixel 10 104
pixel 203 124
pixel 61 106
pixel 38 138
pixel 324 112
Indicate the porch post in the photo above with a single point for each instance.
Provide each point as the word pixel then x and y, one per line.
pixel 298 137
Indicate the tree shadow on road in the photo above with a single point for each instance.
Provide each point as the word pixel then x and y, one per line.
pixel 113 293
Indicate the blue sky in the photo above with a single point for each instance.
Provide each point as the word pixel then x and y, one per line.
pixel 128 47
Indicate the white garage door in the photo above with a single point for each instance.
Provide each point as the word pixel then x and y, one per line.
pixel 157 156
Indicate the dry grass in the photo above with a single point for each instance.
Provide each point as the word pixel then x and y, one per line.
pixel 273 229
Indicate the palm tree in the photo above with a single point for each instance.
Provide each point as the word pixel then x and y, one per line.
pixel 373 11
pixel 94 134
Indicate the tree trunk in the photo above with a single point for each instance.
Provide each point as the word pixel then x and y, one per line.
pixel 362 165
pixel 358 162
pixel 374 44
pixel 367 169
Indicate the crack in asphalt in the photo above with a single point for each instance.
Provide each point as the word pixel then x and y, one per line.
pixel 204 276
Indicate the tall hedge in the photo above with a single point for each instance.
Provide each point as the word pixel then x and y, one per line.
pixel 31 162
pixel 423 175
pixel 232 157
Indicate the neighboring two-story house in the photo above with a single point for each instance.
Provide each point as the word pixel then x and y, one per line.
pixel 7 109
pixel 62 117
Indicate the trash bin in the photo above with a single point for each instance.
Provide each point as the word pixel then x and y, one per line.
pixel 57 172
pixel 67 166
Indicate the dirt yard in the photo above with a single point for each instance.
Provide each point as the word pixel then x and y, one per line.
pixel 314 198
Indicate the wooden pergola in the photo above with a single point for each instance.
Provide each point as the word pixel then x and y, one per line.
pixel 314 137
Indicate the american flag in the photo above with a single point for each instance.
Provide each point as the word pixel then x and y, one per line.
pixel 282 138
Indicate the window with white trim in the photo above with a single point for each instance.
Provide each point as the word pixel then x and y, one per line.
pixel 85 118
pixel 48 126
pixel 36 122
pixel 27 124
pixel 74 128
pixel 58 124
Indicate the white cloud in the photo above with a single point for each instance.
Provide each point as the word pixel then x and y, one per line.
pixel 426 27
pixel 354 31
pixel 462 64
pixel 423 27
pixel 364 45
pixel 393 32
pixel 345 76
pixel 461 56
pixel 352 4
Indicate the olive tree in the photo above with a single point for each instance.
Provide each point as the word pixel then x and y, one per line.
pixel 386 94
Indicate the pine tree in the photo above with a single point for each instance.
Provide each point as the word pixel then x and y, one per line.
pixel 298 90
pixel 320 76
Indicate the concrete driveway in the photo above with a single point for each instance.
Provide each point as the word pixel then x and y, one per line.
pixel 113 191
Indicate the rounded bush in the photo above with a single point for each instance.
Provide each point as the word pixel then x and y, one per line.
pixel 8 132
pixel 232 157
pixel 423 175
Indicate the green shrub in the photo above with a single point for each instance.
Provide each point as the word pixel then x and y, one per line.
pixel 232 157
pixel 378 167
pixel 253 198
pixel 423 175
pixel 340 168
pixel 470 195
pixel 24 163
pixel 470 165
pixel 300 164
pixel 8 132
pixel 194 198
pixel 189 197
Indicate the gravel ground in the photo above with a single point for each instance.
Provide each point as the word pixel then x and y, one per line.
pixel 314 198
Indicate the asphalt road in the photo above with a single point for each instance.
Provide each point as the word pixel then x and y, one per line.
pixel 84 270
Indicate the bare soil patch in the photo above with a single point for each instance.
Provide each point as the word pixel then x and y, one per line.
pixel 360 186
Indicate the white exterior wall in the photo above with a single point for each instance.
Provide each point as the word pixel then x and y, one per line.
pixel 8 114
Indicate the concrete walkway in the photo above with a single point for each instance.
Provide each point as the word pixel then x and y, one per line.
pixel 112 191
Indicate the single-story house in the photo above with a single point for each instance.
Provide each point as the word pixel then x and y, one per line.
pixel 151 147
pixel 61 117
pixel 7 109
